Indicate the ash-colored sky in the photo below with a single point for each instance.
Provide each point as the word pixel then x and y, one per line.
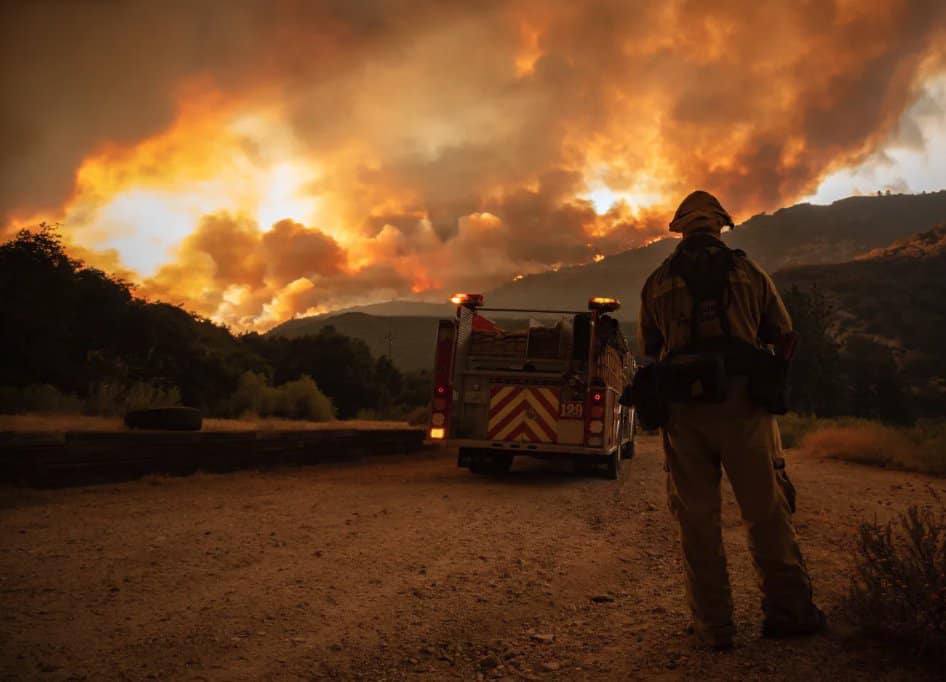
pixel 257 160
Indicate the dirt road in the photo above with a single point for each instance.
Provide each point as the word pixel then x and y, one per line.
pixel 405 567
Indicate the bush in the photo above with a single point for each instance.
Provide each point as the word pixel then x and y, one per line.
pixel 302 399
pixel 142 396
pixel 899 588
pixel 298 399
pixel 112 399
pixel 39 398
pixel 419 416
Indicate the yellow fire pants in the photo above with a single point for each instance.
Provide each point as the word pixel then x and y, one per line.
pixel 743 438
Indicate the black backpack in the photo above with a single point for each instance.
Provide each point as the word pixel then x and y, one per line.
pixel 705 263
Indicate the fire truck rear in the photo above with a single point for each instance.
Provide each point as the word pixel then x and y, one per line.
pixel 547 390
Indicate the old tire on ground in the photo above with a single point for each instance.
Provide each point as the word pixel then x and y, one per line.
pixel 165 419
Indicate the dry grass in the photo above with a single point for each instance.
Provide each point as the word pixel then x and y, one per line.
pixel 60 423
pixel 274 424
pixel 919 448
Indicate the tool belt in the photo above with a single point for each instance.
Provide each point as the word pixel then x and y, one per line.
pixel 703 377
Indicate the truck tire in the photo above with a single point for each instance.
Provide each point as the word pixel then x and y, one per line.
pixel 627 449
pixel 165 419
pixel 613 467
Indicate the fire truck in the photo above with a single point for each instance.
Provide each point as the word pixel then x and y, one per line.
pixel 546 386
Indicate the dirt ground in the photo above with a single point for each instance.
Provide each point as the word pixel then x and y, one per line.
pixel 408 568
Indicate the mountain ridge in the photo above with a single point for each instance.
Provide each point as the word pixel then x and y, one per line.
pixel 787 242
pixel 804 234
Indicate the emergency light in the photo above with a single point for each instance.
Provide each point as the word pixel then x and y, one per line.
pixel 467 300
pixel 603 304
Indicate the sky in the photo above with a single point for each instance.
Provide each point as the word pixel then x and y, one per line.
pixel 259 160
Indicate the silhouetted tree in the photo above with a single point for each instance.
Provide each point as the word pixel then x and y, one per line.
pixel 816 377
pixel 54 311
pixel 876 389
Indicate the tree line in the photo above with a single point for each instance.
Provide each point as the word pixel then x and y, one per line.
pixel 77 336
pixel 857 376
pixel 77 339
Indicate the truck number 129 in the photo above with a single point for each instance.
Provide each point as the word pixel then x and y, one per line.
pixel 573 410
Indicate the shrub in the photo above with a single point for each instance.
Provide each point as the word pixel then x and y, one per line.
pixel 141 396
pixel 419 416
pixel 112 399
pixel 304 400
pixel 46 399
pixel 297 399
pixel 898 592
pixel 252 396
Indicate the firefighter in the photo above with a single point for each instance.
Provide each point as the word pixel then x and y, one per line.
pixel 708 304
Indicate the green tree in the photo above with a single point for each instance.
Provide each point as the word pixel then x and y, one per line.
pixel 816 374
pixel 877 390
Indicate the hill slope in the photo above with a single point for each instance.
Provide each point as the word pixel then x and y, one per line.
pixel 802 234
pixel 895 294
pixel 411 337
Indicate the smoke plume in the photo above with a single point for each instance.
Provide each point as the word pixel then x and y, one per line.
pixel 256 159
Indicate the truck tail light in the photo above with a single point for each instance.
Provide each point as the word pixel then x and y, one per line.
pixel 594 420
pixel 443 378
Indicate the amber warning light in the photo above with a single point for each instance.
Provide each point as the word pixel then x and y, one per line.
pixel 467 300
pixel 437 433
pixel 604 304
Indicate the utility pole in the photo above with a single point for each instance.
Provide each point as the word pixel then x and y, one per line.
pixel 389 337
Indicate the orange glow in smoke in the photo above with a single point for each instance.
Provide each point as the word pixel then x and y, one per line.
pixel 320 167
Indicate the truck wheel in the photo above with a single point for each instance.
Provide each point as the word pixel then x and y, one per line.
pixel 614 464
pixel 627 449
